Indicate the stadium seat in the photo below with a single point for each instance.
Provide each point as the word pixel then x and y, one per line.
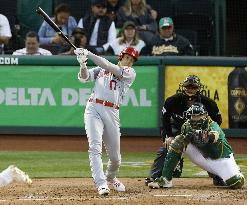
pixel 202 24
pixel 197 16
pixel 191 35
pixel 202 7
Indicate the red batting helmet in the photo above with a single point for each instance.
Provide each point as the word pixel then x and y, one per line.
pixel 130 51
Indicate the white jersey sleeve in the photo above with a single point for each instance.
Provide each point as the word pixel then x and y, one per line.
pixel 92 75
pixel 105 64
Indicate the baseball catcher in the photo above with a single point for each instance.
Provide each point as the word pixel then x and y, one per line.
pixel 208 148
pixel 173 118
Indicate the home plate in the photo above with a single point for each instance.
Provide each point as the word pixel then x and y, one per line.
pixel 173 195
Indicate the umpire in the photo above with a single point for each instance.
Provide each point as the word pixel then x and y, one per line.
pixel 173 118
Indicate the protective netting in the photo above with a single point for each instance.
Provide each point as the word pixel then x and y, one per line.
pixel 213 27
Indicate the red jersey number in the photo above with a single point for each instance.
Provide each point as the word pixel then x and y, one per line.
pixel 113 85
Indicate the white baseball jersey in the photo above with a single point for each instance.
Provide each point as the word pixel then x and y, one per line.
pixel 111 81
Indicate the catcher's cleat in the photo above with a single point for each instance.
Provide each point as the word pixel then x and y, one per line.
pixel 103 190
pixel 18 175
pixel 217 181
pixel 148 180
pixel 161 182
pixel 117 185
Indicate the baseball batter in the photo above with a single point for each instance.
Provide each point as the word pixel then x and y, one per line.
pixel 101 116
pixel 208 148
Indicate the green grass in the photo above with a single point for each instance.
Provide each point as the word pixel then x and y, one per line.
pixel 76 164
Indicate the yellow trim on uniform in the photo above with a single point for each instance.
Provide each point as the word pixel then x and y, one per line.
pixel 178 152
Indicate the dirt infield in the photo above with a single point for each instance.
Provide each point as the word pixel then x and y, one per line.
pixel 82 191
pixel 68 191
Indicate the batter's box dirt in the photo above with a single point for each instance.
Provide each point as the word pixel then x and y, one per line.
pixel 67 191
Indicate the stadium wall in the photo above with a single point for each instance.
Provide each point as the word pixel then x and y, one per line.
pixel 42 96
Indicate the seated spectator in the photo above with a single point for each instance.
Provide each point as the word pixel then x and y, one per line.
pixel 112 9
pixel 5 32
pixel 128 38
pixel 168 42
pixel 100 28
pixel 141 14
pixel 79 39
pixel 32 46
pixel 48 37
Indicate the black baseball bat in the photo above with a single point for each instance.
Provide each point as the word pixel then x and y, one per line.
pixel 53 25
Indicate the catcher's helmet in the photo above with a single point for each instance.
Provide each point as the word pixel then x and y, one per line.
pixel 192 80
pixel 197 116
pixel 130 51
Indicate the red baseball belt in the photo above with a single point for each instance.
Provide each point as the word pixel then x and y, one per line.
pixel 105 103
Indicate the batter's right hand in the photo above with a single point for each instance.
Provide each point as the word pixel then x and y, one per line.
pixel 168 141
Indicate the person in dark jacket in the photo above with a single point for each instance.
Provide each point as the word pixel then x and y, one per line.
pixel 168 42
pixel 173 119
pixel 100 28
pixel 112 8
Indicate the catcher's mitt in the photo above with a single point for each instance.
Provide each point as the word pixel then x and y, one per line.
pixel 201 138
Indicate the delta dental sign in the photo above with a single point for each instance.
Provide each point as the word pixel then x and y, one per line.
pixel 68 97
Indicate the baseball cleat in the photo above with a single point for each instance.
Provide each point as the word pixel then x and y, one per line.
pixel 160 183
pixel 103 190
pixel 148 180
pixel 217 181
pixel 18 175
pixel 117 185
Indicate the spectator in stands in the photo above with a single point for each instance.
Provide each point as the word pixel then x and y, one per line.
pixel 100 28
pixel 168 42
pixel 32 46
pixel 112 8
pixel 79 39
pixel 141 14
pixel 129 38
pixel 5 32
pixel 48 37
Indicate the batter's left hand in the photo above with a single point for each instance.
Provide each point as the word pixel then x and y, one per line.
pixel 82 55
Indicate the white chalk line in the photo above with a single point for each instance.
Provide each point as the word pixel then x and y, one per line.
pixel 173 195
pixel 61 198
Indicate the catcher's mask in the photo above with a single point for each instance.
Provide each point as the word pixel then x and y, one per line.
pixel 191 85
pixel 130 51
pixel 197 116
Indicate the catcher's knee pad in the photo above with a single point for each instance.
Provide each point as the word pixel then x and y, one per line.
pixel 236 182
pixel 178 144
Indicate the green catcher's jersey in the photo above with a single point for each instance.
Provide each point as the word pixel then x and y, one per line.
pixel 220 149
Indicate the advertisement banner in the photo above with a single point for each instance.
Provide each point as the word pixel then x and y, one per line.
pixel 51 96
pixel 226 85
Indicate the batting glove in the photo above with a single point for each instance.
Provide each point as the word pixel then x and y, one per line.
pixel 81 55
